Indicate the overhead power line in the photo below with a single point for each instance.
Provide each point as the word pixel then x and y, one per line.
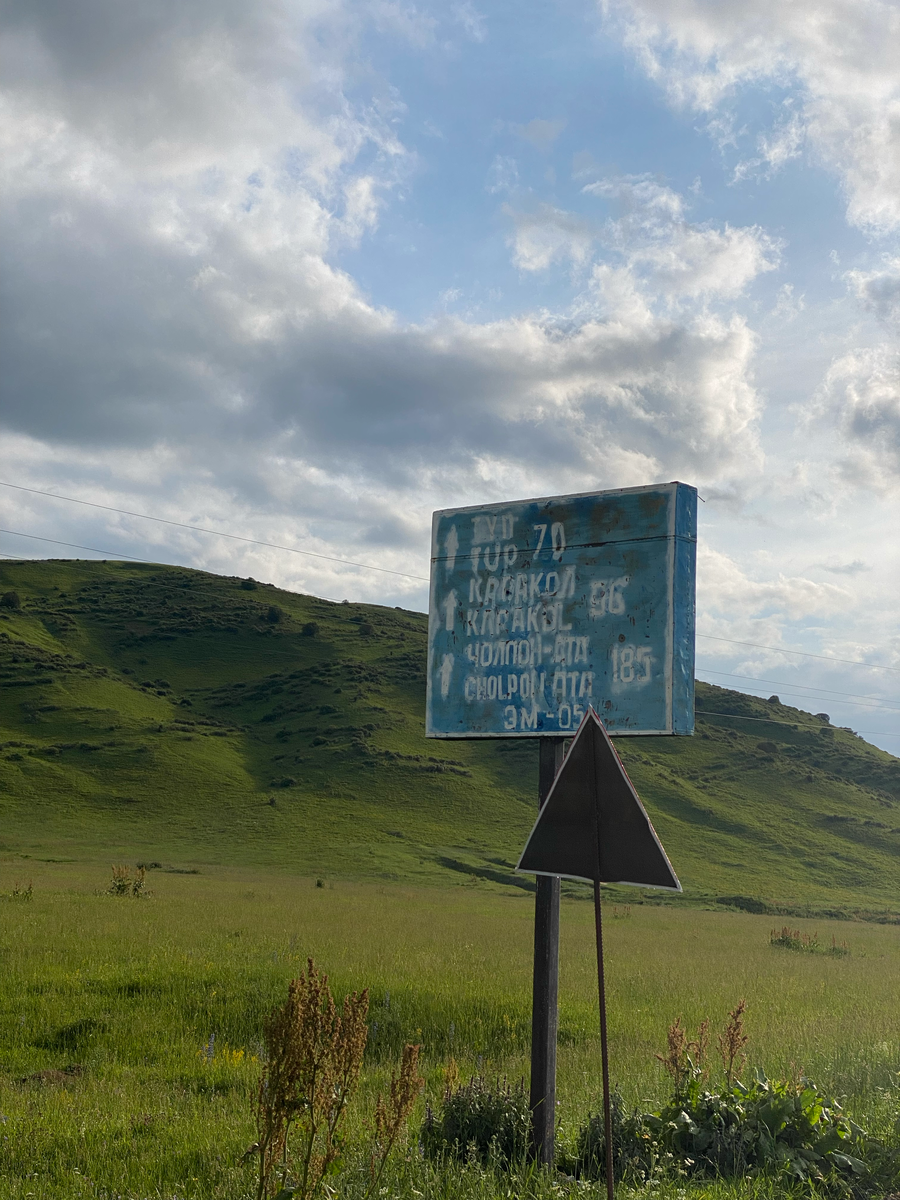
pixel 783 683
pixel 362 566
pixel 813 696
pixel 74 546
pixel 854 662
pixel 698 711
pixel 215 532
pixel 702 712
pixel 828 700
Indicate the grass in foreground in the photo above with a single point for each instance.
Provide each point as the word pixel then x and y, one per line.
pixel 158 1005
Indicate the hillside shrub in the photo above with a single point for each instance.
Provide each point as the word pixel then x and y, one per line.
pixel 806 943
pixel 635 1146
pixel 492 1122
pixel 11 600
pixel 124 884
pixel 19 892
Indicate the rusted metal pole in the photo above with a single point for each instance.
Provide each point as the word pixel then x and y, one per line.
pixel 545 983
pixel 604 1044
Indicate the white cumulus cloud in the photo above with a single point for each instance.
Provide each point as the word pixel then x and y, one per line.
pixel 838 57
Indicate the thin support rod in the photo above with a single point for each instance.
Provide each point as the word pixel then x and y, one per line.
pixel 604 1041
pixel 545 983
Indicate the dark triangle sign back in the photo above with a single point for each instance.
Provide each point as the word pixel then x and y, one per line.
pixel 593 825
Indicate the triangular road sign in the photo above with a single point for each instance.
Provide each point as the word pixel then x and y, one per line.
pixel 592 825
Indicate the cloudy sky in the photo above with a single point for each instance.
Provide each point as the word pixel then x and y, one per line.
pixel 302 271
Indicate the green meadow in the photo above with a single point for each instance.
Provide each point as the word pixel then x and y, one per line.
pixel 159 1001
pixel 262 754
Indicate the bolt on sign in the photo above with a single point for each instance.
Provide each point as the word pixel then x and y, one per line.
pixel 540 609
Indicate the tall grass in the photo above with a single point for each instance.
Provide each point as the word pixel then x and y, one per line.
pixel 162 1001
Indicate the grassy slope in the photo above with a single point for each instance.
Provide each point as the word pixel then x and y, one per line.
pixel 159 713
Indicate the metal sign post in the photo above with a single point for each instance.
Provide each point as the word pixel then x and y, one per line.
pixel 545 982
pixel 541 611
pixel 604 1041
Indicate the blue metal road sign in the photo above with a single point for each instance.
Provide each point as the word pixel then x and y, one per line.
pixel 540 608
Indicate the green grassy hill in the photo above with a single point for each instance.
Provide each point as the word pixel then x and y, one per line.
pixel 172 716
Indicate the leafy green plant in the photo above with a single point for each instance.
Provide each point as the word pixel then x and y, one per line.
pixel 786 1125
pixel 491 1122
pixel 635 1146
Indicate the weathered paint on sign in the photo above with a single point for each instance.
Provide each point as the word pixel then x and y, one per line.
pixel 540 608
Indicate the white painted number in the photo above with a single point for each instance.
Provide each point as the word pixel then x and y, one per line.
pixel 557 539
pixel 606 596
pixel 632 664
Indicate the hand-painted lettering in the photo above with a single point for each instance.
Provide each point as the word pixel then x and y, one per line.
pixel 528 720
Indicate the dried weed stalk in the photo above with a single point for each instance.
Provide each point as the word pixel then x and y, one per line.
pixel 732 1042
pixel 451 1075
pixel 684 1057
pixel 314 1055
pixel 123 885
pixel 675 1058
pixel 392 1114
